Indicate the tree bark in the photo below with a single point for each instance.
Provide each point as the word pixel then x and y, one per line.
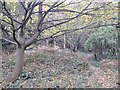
pixel 54 42
pixel 18 65
pixel 64 41
pixel 46 42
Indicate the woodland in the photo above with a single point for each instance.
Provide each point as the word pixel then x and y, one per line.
pixel 59 44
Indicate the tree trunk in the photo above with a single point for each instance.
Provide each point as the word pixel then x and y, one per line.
pixel 54 42
pixel 64 41
pixel 18 65
pixel 47 42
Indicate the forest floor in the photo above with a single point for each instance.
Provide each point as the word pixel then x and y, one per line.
pixel 47 69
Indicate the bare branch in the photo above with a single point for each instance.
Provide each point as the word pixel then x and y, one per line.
pixel 23 5
pixel 11 18
pixel 59 10
pixel 9 41
pixel 71 3
pixel 4 6
pixel 5 21
pixel 39 27
pixel 8 14
pixel 2 28
pixel 87 13
pixel 77 29
pixel 14 37
pixel 12 24
pixel 27 17
pixel 29 41
pixel 80 13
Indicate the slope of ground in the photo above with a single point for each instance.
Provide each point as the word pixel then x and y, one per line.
pixel 62 69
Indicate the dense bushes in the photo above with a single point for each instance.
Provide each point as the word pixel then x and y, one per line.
pixel 102 42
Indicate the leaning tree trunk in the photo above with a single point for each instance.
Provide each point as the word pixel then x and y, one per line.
pixel 19 60
pixel 18 65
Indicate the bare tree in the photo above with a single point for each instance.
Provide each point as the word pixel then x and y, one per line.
pixel 18 25
pixel 18 28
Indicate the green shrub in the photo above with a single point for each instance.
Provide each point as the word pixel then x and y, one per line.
pixel 107 36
